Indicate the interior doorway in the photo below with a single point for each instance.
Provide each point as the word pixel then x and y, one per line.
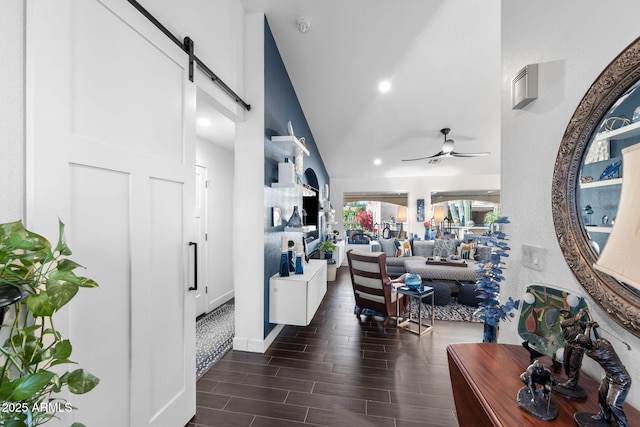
pixel 215 140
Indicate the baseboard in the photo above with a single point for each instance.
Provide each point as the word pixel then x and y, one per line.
pixel 256 346
pixel 228 296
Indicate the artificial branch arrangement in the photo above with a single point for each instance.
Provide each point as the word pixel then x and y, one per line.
pixel 488 284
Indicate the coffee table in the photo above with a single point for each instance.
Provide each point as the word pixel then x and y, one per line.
pixel 415 324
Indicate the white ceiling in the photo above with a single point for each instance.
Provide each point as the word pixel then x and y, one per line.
pixel 442 59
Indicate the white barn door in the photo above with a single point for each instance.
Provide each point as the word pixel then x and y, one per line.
pixel 111 151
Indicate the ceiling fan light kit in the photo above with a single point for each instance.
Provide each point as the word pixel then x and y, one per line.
pixel 447 150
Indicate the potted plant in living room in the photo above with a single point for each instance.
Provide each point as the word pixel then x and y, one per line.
pixel 43 277
pixel 327 247
pixel 490 310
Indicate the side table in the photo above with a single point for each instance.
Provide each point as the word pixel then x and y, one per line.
pixel 412 324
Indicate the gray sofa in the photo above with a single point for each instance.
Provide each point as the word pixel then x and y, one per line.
pixel 420 250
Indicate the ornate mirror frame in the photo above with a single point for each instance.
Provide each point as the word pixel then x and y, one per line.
pixel 615 298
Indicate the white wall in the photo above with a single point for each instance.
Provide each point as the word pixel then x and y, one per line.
pixel 219 164
pixel 418 188
pixel 573 41
pixel 12 110
pixel 248 230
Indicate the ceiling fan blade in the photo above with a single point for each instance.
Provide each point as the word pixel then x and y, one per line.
pixel 424 158
pixel 454 154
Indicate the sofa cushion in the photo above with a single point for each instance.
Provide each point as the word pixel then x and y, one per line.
pixel 406 248
pixel 445 248
pixel 390 247
pixel 423 248
pixel 467 250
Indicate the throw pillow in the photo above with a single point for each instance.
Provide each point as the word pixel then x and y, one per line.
pixel 467 250
pixel 444 248
pixel 406 248
pixel 389 247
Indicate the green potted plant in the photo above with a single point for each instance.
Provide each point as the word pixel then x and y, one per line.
pixel 327 247
pixel 30 358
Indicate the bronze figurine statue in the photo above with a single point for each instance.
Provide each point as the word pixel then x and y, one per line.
pixel 539 403
pixel 614 386
pixel 571 327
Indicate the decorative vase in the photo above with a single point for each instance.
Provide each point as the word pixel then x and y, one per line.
pixel 295 220
pixel 299 269
pixel 284 264
pixel 328 255
pixel 292 260
pixel 490 333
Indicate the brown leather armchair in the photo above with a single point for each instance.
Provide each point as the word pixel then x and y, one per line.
pixel 372 286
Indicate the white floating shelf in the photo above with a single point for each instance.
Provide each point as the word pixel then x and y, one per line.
pixel 603 183
pixel 305 229
pixel 597 229
pixel 297 187
pixel 288 145
pixel 627 131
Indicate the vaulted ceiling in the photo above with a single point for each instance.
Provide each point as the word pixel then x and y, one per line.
pixel 441 58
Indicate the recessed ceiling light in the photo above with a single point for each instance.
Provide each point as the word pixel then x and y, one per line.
pixel 203 121
pixel 377 162
pixel 384 86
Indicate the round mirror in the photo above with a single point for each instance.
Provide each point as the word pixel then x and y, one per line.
pixel 587 180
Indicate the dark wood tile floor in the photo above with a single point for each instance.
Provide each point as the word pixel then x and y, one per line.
pixel 338 371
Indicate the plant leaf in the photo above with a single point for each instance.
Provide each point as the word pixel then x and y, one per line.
pixel 81 381
pixel 25 387
pixel 87 283
pixel 62 350
pixel 62 244
pixel 40 305
pixel 61 293
pixel 66 264
pixel 77 425
pixel 15 423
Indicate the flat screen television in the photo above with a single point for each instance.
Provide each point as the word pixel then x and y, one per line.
pixel 310 206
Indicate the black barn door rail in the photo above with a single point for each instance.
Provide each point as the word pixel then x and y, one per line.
pixel 188 46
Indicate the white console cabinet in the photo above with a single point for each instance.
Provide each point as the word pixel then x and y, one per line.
pixel 293 300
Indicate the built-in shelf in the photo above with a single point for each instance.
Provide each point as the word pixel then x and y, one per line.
pixel 305 229
pixel 286 146
pixel 603 183
pixel 628 131
pixel 296 187
pixel 598 229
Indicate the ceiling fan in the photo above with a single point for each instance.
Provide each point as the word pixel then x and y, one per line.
pixel 447 150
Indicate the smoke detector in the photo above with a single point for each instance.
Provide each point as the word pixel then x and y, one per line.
pixel 303 25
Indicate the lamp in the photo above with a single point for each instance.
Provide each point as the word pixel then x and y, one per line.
pixel 615 259
pixel 438 218
pixel 402 214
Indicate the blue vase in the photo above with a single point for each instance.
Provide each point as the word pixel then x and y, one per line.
pixel 284 265
pixel 490 333
pixel 295 220
pixel 292 261
pixel 299 269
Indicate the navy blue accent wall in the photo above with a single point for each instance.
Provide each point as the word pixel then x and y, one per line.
pixel 281 106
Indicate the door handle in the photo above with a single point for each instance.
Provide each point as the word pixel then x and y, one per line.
pixel 195 266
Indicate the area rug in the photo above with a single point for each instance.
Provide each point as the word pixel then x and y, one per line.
pixel 452 311
pixel 214 337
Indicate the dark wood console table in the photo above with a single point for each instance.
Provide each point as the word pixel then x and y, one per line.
pixel 486 378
